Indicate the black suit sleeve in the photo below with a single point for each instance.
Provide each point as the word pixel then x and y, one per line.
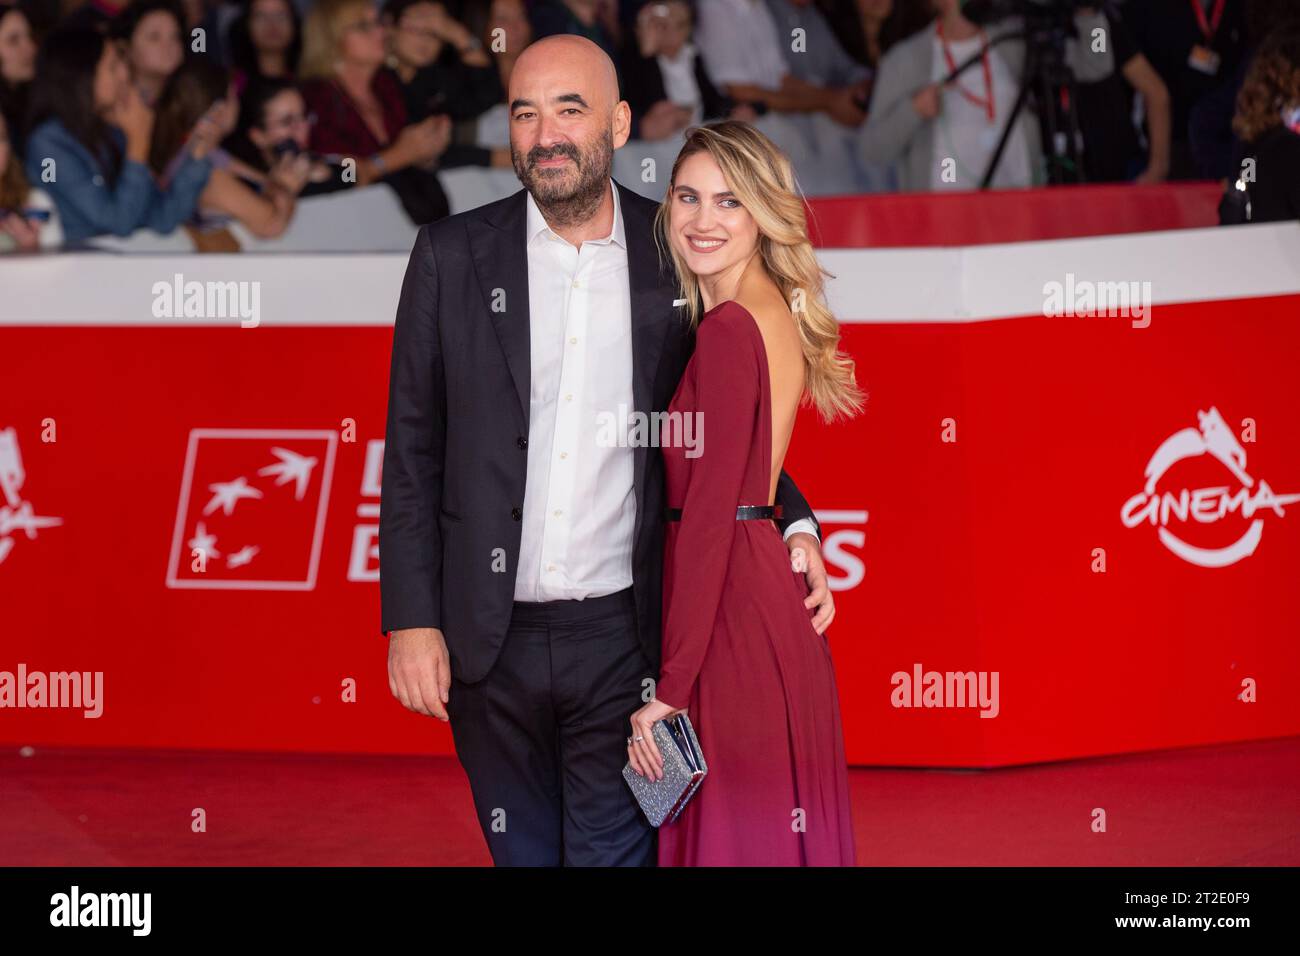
pixel 793 505
pixel 410 546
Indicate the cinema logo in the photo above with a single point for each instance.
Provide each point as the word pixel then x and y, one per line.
pixel 1204 505
pixel 1085 298
pixel 179 299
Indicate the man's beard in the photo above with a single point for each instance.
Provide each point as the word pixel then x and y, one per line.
pixel 564 205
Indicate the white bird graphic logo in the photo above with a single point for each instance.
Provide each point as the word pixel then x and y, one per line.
pixel 204 541
pixel 291 467
pixel 243 556
pixel 227 493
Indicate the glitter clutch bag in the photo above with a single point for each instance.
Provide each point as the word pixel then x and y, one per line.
pixel 684 767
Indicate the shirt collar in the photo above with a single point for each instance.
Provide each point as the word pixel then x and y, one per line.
pixel 685 55
pixel 537 223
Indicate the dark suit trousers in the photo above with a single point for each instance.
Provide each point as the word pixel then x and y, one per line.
pixel 543 737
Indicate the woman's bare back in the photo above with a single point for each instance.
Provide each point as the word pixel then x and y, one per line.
pixel 786 370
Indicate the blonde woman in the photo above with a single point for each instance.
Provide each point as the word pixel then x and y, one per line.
pixel 741 653
pixel 360 113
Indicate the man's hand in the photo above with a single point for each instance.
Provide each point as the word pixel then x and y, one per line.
pixel 663 119
pixel 843 107
pixel 815 574
pixel 419 670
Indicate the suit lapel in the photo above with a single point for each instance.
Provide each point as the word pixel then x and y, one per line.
pixel 499 245
pixel 500 250
pixel 651 302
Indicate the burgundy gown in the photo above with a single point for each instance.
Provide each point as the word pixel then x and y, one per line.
pixel 740 652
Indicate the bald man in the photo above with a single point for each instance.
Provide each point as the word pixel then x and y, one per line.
pixel 520 552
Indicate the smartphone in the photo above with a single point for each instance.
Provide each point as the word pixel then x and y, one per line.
pixel 286 147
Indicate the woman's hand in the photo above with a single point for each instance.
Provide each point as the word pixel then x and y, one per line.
pixel 211 128
pixel 448 29
pixel 291 173
pixel 423 142
pixel 135 119
pixel 642 751
pixel 663 120
pixel 926 101
pixel 743 112
pixel 24 232
pixel 651 25
pixel 1150 176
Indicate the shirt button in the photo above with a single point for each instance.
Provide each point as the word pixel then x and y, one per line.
pixel 573 341
pixel 564 454
pixel 558 512
pixel 577 284
pixel 568 398
pixel 516 513
pixel 550 567
pixel 521 441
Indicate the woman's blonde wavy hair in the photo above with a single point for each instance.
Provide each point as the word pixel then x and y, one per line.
pixel 322 35
pixel 761 177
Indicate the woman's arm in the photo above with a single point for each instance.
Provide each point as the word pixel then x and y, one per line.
pixel 794 96
pixel 177 203
pixel 416 145
pixel 893 119
pixel 727 384
pixel 265 216
pixel 1142 76
pixel 82 188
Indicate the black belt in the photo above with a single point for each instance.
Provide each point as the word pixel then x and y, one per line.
pixel 743 512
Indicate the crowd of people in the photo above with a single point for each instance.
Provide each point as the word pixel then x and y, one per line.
pixel 199 114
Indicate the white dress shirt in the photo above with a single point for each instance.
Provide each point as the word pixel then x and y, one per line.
pixel 579 499
pixel 680 86
pixel 963 131
pixel 740 43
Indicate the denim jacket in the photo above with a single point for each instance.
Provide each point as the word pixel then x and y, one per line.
pixel 89 207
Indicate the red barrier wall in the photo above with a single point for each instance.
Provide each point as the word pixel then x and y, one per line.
pixel 975 218
pixel 973 554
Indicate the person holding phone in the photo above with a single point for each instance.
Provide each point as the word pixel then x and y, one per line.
pixel 274 130
pixel 200 94
pixel 90 144
pixel 360 112
pixel 26 223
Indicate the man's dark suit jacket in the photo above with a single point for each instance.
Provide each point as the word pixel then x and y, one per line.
pixel 456 451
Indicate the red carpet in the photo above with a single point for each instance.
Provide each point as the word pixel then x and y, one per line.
pixel 1230 805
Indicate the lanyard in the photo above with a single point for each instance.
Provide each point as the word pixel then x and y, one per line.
pixel 985 101
pixel 1208 27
